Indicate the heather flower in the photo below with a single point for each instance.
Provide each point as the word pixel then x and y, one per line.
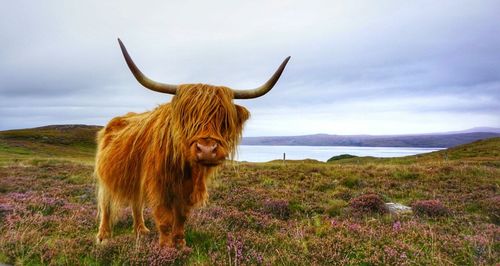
pixel 390 252
pixel 278 208
pixel 354 227
pixel 234 248
pixel 253 257
pixel 396 226
pixel 492 207
pixel 162 255
pixel 334 223
pixel 368 203
pixel 394 257
pixel 480 243
pixel 430 208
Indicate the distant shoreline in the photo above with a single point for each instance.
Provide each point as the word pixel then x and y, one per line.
pixel 340 146
pixel 417 141
pixel 264 153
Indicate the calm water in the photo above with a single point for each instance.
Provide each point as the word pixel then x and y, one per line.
pixel 252 153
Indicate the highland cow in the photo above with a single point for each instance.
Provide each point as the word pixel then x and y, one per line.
pixel 163 158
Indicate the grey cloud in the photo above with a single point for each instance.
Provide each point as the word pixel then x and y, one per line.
pixel 61 63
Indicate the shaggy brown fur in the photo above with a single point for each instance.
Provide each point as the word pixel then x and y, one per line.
pixel 149 159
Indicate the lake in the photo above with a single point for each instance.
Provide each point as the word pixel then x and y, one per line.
pixel 257 153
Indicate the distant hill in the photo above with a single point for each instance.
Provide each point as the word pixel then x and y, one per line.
pixel 54 134
pixel 422 140
pixel 83 137
pixel 477 129
pixel 75 141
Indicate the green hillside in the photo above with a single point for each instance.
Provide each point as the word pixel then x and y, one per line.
pixel 58 141
pixel 487 150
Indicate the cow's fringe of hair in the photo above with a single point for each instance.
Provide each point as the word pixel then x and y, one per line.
pixel 144 156
pixel 198 106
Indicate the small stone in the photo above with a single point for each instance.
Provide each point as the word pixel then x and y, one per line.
pixel 397 208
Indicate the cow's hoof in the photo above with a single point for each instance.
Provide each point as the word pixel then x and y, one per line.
pixel 186 250
pixel 102 238
pixel 180 243
pixel 142 230
pixel 166 241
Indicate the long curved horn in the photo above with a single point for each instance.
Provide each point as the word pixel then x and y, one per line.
pixel 145 81
pixel 249 94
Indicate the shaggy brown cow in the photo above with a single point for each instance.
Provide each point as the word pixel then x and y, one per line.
pixel 162 158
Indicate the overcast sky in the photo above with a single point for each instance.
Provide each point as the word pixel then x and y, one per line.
pixel 357 67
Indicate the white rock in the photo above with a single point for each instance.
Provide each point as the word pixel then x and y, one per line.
pixel 397 208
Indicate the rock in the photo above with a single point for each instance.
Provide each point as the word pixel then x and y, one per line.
pixel 397 208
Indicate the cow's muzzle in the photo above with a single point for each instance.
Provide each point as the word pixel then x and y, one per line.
pixel 208 152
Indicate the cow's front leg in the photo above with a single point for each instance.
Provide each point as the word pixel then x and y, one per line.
pixel 163 220
pixel 137 214
pixel 180 217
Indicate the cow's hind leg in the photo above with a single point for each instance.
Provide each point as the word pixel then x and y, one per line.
pixel 137 214
pixel 104 205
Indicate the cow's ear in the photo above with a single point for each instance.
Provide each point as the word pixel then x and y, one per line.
pixel 243 114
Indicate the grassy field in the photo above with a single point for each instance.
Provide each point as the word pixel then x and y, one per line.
pixel 75 142
pixel 293 213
